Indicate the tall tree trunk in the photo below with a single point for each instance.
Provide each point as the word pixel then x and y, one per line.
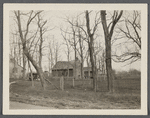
pixel 91 49
pixel 19 52
pixel 31 74
pixel 93 66
pixel 87 60
pixel 49 66
pixel 40 26
pixel 75 56
pixel 14 73
pixel 109 65
pixel 26 49
pixel 56 53
pixel 108 35
pixel 38 69
pixel 40 49
pixel 51 56
pixel 82 75
pixel 68 55
pixel 40 58
pixel 108 52
pixel 24 66
pixel 81 54
pixel 75 52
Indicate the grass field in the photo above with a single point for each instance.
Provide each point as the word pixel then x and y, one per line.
pixel 79 97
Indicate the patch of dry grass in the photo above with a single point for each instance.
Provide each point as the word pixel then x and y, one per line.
pixel 80 97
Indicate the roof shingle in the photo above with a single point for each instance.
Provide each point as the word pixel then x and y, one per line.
pixel 65 65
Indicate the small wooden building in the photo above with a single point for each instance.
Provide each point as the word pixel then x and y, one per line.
pixel 87 72
pixel 68 69
pixel 15 70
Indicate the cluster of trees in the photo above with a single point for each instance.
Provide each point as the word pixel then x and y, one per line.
pixel 30 37
pixel 132 73
pixel 83 36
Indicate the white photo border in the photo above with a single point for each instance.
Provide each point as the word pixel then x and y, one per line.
pixel 42 6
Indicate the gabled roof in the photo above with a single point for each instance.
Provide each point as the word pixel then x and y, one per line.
pixel 63 65
pixel 66 64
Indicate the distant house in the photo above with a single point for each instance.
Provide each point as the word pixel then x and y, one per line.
pixel 87 72
pixel 67 69
pixel 15 70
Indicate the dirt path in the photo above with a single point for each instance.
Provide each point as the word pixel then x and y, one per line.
pixel 17 105
pixel 12 82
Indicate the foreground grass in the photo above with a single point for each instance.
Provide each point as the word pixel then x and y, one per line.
pixel 72 98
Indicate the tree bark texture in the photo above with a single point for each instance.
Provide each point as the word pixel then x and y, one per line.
pixel 108 51
pixel 81 55
pixel 24 66
pixel 31 74
pixel 108 35
pixel 75 55
pixel 26 50
pixel 91 49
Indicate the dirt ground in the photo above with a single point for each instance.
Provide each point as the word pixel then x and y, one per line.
pixel 79 97
pixel 17 105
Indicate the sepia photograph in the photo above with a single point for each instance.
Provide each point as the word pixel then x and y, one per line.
pixel 75 59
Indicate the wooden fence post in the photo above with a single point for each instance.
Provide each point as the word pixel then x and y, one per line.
pixel 62 83
pixel 73 82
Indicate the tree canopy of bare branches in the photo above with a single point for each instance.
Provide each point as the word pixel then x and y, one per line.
pixel 91 46
pixel 131 32
pixel 23 37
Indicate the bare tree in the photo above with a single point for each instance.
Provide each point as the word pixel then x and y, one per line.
pixel 87 36
pixel 53 52
pixel 81 52
pixel 88 62
pixel 24 66
pixel 81 35
pixel 98 54
pixel 67 43
pixel 131 31
pixel 108 32
pixel 75 56
pixel 103 65
pixel 41 23
pixel 23 36
pixel 70 44
pixel 50 56
pixel 56 51
pixel 31 74
pixel 91 46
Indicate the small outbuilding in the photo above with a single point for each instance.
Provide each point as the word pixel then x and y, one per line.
pixel 68 69
pixel 87 72
pixel 15 70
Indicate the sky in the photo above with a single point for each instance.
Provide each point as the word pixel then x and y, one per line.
pixel 57 19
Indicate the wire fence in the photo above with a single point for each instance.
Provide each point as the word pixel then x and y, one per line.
pixel 120 85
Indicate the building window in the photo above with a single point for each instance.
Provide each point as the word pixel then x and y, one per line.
pixel 70 72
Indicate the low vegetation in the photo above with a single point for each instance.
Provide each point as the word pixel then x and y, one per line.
pixel 80 97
